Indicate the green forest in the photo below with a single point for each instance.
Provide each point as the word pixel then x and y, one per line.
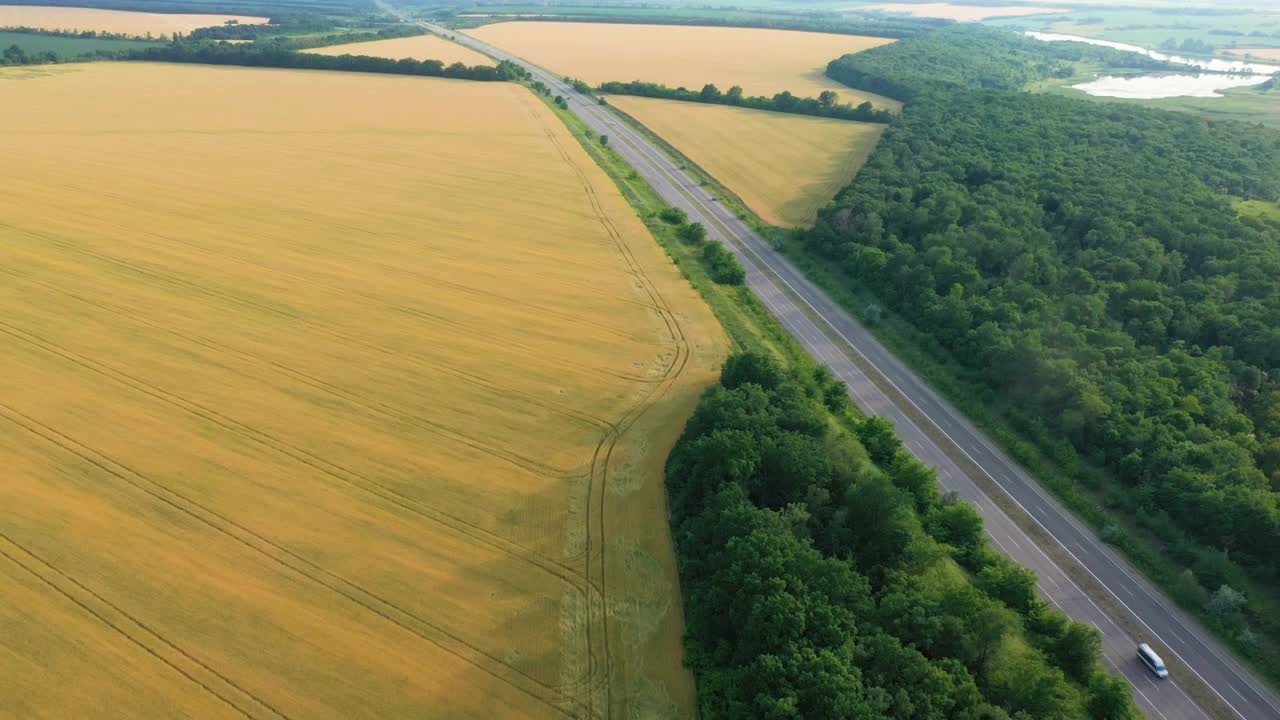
pixel 825 576
pixel 1083 269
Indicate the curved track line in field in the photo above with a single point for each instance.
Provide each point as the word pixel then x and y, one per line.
pixel 5 539
pixel 383 492
pixel 609 442
pixel 598 474
pixel 273 551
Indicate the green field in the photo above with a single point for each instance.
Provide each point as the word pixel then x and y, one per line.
pixel 1259 211
pixel 1247 104
pixel 66 46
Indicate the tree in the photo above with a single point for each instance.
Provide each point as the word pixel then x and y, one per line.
pixel 1111 698
pixel 604 141
pixel 756 368
pixel 710 93
pixel 1011 584
pixel 827 98
pixel 878 436
pixel 872 314
pixel 1226 601
pixel 722 266
pixel 1078 650
pixel 957 524
pixel 692 233
pixel 673 215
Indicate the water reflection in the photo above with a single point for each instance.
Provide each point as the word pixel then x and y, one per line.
pixel 1152 87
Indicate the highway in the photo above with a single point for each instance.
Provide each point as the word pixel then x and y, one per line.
pixel 1076 571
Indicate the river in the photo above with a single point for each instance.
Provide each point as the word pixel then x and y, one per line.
pixel 1224 73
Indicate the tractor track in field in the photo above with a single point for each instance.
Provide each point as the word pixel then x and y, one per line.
pixel 561 570
pixel 567 699
pixel 295 563
pixel 101 616
pixel 603 455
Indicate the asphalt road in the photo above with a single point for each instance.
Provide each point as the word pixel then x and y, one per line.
pixel 936 433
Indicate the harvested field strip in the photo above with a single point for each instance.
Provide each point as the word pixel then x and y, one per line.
pixel 763 62
pixel 377 380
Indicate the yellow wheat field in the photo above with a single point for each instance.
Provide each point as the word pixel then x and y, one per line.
pixel 419 47
pixel 112 21
pixel 763 62
pixel 330 395
pixel 784 167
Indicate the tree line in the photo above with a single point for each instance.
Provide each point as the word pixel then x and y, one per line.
pixel 1081 268
pixel 281 55
pixel 279 24
pixel 827 104
pixel 825 575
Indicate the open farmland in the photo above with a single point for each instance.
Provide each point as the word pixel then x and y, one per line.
pixel 112 21
pixel 330 395
pixel 418 47
pixel 763 62
pixel 1271 54
pixel 784 167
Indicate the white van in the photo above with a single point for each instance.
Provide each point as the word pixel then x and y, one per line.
pixel 1152 661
